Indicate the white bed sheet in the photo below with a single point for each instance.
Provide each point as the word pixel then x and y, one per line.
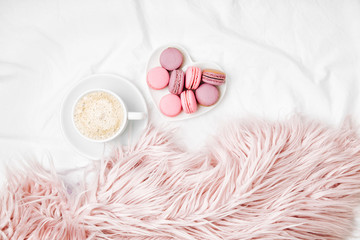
pixel 281 57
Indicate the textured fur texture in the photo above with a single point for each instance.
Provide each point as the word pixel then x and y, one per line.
pixel 295 179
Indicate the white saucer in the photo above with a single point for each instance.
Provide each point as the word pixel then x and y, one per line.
pixel 133 99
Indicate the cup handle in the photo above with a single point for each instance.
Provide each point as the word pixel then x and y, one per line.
pixel 136 115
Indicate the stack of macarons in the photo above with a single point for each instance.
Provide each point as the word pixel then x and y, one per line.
pixel 187 89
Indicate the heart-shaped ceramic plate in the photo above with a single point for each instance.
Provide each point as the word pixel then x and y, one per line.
pixel 156 95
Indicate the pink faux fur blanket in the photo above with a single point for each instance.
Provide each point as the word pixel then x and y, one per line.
pixel 295 179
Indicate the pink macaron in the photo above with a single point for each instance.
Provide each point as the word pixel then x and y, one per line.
pixel 157 78
pixel 193 78
pixel 207 94
pixel 171 58
pixel 214 77
pixel 188 101
pixel 170 105
pixel 176 82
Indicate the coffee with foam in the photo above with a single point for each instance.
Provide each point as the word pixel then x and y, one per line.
pixel 99 115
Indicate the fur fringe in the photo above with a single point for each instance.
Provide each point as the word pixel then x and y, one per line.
pixel 296 179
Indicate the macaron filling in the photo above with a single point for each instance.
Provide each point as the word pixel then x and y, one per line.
pixel 188 101
pixel 176 84
pixel 214 77
pixel 193 78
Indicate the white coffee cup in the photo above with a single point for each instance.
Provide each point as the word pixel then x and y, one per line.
pixel 126 115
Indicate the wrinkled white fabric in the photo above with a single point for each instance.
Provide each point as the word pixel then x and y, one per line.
pixel 280 57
